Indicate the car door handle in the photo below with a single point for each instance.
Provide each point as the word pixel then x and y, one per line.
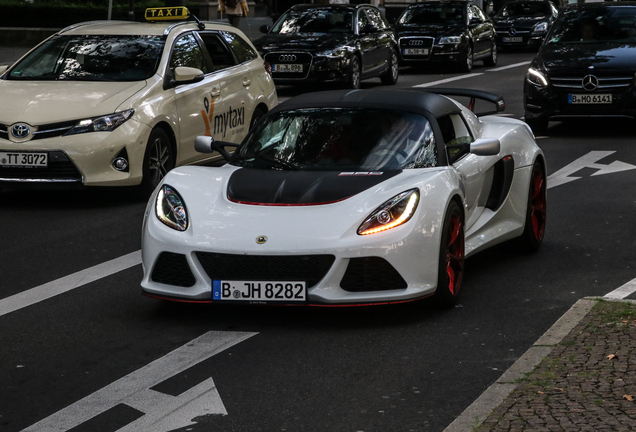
pixel 246 82
pixel 215 92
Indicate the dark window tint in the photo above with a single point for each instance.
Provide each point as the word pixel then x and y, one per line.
pixel 320 20
pixel 456 136
pixel 187 52
pixel 520 9
pixel 219 52
pixel 92 58
pixel 375 18
pixel 438 14
pixel 243 51
pixel 598 24
pixel 363 20
pixel 339 139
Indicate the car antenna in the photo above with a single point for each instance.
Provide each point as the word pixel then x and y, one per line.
pixel 199 22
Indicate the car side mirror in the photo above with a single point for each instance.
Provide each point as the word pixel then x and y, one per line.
pixel 264 28
pixel 485 147
pixel 207 144
pixel 187 75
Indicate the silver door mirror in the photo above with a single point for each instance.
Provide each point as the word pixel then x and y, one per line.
pixel 485 147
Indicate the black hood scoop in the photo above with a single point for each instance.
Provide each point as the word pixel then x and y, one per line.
pixel 272 187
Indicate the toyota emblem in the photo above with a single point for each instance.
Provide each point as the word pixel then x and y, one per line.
pixel 589 83
pixel 287 58
pixel 416 42
pixel 20 130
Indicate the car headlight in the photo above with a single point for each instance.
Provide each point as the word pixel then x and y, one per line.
pixel 107 123
pixel 450 40
pixel 536 77
pixel 334 53
pixel 170 209
pixel 392 213
pixel 540 28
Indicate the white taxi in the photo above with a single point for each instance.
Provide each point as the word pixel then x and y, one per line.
pixel 108 103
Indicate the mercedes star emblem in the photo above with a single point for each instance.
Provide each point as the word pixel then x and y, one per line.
pixel 589 83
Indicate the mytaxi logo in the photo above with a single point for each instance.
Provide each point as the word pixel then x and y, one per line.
pixel 207 114
pixel 221 123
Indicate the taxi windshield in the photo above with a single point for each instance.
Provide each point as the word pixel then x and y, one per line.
pixel 322 20
pixel 91 58
pixel 434 14
pixel 340 139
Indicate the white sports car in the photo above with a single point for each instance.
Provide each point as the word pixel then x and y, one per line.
pixel 347 198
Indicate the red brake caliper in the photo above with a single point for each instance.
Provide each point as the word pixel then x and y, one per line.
pixel 537 203
pixel 455 255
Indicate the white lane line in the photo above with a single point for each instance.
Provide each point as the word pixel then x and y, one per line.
pixel 509 66
pixel 434 83
pixel 68 283
pixel 622 291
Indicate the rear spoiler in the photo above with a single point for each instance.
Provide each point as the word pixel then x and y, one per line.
pixel 500 105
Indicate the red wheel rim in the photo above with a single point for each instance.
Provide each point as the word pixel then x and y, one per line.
pixel 537 203
pixel 455 255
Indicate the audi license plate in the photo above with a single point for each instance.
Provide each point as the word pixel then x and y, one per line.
pixel 590 98
pixel 415 51
pixel 23 160
pixel 287 68
pixel 512 39
pixel 264 291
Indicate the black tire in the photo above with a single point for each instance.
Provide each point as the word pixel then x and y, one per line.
pixel 467 66
pixel 256 116
pixel 158 160
pixel 392 75
pixel 539 126
pixel 534 229
pixel 491 60
pixel 451 257
pixel 354 73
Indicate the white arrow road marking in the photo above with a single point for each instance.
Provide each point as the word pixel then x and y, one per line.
pixel 162 412
pixel 563 175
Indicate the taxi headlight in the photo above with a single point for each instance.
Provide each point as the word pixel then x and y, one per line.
pixel 540 28
pixel 450 40
pixel 394 212
pixel 170 209
pixel 536 78
pixel 107 123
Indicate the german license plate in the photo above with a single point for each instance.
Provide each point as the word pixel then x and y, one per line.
pixel 590 98
pixel 287 68
pixel 23 160
pixel 512 39
pixel 265 291
pixel 415 51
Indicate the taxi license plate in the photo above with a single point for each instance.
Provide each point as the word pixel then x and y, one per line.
pixel 590 98
pixel 23 160
pixel 512 39
pixel 287 68
pixel 265 291
pixel 415 51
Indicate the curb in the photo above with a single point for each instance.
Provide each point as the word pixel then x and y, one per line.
pixel 478 411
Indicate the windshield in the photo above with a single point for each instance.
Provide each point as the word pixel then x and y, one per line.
pixel 599 24
pixel 524 9
pixel 340 139
pixel 438 14
pixel 322 20
pixel 92 58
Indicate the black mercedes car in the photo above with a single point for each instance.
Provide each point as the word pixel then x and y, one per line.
pixel 524 23
pixel 446 31
pixel 586 66
pixel 330 43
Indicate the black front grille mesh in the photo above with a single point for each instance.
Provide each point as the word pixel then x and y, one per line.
pixel 371 274
pixel 173 269
pixel 308 268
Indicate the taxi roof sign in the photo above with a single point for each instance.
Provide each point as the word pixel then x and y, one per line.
pixel 167 13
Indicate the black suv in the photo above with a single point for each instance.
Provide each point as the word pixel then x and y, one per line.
pixel 524 23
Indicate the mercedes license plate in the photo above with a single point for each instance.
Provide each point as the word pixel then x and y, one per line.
pixel 512 39
pixel 263 291
pixel 287 68
pixel 415 51
pixel 590 98
pixel 23 160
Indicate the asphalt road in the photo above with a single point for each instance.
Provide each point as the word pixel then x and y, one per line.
pixel 74 359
